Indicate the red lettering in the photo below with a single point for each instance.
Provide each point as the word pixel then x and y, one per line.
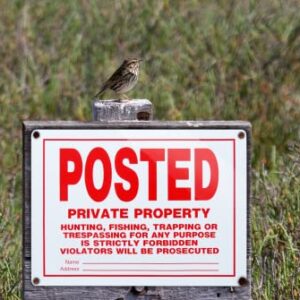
pixel 67 178
pixel 101 193
pixel 152 156
pixel 205 193
pixel 174 174
pixel 124 158
pixel 71 213
pixel 127 174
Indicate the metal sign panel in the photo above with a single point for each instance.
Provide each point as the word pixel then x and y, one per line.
pixel 139 207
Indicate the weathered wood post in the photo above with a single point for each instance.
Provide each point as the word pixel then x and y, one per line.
pixel 111 110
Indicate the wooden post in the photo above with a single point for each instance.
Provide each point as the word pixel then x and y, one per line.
pixel 113 110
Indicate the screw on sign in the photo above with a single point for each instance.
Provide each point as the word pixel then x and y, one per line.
pixel 152 157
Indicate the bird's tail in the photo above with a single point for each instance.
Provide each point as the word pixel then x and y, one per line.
pixel 100 92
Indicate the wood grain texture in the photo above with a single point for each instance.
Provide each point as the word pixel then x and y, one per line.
pixel 121 293
pixel 138 109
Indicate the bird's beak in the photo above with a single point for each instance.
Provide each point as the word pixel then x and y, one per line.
pixel 140 60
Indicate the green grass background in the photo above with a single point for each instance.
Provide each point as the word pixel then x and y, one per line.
pixel 203 60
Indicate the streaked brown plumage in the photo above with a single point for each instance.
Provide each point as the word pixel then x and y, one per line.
pixel 123 79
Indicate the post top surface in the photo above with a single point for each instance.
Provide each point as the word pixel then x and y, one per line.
pixel 122 102
pixel 130 124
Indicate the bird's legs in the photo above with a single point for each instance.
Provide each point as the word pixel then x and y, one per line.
pixel 124 98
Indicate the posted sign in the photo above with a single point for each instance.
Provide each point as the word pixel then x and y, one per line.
pixel 139 206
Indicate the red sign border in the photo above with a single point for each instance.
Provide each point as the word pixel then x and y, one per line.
pixel 141 275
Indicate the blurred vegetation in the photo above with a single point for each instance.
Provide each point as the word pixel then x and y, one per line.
pixel 276 229
pixel 202 60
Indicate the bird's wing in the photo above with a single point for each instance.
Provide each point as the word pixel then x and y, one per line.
pixel 112 79
pixel 116 75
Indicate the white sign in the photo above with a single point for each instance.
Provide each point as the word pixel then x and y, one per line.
pixel 139 207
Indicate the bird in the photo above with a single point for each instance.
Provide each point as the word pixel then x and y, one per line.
pixel 123 79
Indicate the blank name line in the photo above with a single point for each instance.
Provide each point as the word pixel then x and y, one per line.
pixel 96 263
pixel 158 270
